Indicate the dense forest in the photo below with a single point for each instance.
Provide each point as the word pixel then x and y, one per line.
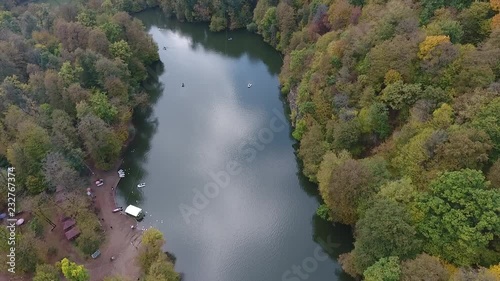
pixel 70 78
pixel 396 105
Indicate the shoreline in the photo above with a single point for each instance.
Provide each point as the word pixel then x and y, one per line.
pixel 120 240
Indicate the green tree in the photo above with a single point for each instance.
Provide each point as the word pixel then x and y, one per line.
pixel 27 255
pixel 385 269
pixel 217 23
pixel 312 148
pixel 73 271
pixel 152 242
pixel 121 50
pixel 113 31
pixel 99 140
pixel 346 135
pixel 268 26
pixel 385 230
pixel 488 120
pixel 100 106
pixel 46 272
pixel 475 22
pixel 460 216
pixel 399 95
pixel 402 191
pixel 70 74
pixel 162 270
pixel 376 119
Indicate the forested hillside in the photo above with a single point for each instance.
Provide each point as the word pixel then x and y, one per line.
pixel 70 78
pixel 396 105
pixel 397 109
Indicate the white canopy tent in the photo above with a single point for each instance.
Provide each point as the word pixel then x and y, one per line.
pixel 133 211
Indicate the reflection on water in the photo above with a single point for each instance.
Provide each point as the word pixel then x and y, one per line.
pixel 252 225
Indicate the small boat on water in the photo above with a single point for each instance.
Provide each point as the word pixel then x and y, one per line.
pixel 230 38
pixel 249 85
pixel 182 84
pixel 141 185
pixel 119 209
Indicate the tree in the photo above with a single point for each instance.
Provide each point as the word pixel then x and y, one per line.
pixel 350 185
pixel 73 35
pixel 375 119
pixel 217 23
pixel 459 216
pixel 385 269
pixel 46 272
pixel 162 270
pixel 121 50
pixel 100 142
pixel 59 172
pixel 474 21
pixel 268 26
pixel 73 271
pixel 64 134
pixel 429 6
pixel 385 230
pixel 100 106
pixel 30 148
pixel 465 148
pixel 27 255
pixel 312 148
pixel 424 268
pixel 98 42
pixel 286 23
pixel 466 274
pixel 399 95
pixel 70 74
pixel 397 54
pixel 260 10
pixel 494 174
pixel 346 135
pixel 152 242
pixel 402 191
pixel 488 120
pixel 330 161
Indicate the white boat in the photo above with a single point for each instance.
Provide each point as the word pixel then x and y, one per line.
pixel 249 85
pixel 141 185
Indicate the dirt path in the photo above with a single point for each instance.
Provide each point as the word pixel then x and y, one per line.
pixel 122 241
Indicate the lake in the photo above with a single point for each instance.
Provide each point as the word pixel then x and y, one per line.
pixel 222 179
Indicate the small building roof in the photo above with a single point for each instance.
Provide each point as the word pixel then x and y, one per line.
pixel 68 224
pixel 72 233
pixel 133 210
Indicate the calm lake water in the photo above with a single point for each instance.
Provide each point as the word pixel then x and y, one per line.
pixel 222 179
